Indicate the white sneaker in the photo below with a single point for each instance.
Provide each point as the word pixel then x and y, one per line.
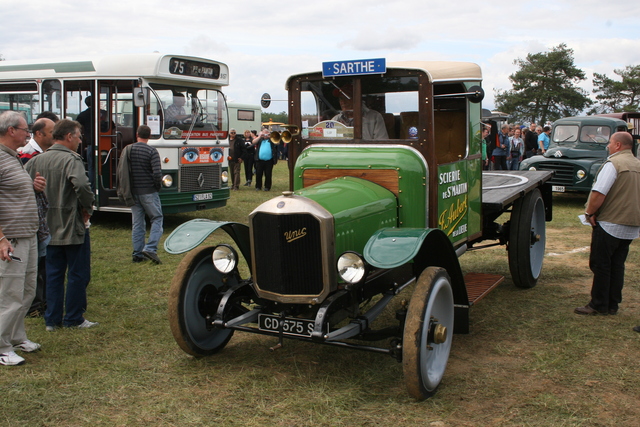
pixel 50 328
pixel 10 359
pixel 27 346
pixel 86 324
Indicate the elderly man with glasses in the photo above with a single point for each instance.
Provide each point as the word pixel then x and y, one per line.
pixel 18 242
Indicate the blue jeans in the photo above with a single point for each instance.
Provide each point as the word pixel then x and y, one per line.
pixel 149 204
pixel 75 261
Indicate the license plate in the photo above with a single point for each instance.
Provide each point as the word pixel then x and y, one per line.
pixel 291 326
pixel 203 196
pixel 558 188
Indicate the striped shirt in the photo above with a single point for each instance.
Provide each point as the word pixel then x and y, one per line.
pixel 18 209
pixel 146 172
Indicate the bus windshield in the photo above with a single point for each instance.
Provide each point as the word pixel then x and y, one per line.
pixel 181 112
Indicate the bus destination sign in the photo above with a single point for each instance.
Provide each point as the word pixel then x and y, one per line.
pixel 185 67
pixel 354 68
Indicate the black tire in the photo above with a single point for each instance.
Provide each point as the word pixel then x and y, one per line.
pixel 424 358
pixel 193 295
pixel 527 239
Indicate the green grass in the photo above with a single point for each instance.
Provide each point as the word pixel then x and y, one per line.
pixel 528 361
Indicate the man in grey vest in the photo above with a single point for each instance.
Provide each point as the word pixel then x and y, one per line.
pixel 613 209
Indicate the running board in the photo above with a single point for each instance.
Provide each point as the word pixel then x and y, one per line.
pixel 480 284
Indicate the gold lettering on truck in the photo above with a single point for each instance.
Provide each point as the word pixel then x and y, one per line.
pixel 292 235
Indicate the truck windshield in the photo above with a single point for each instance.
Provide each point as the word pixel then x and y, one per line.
pixel 599 134
pixel 327 107
pixel 565 133
pixel 196 113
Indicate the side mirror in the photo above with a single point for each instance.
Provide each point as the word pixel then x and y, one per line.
pixel 475 94
pixel 140 96
pixel 265 101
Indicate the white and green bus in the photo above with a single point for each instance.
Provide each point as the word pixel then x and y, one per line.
pixel 179 97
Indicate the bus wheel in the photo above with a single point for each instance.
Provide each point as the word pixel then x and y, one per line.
pixel 428 332
pixel 194 295
pixel 527 238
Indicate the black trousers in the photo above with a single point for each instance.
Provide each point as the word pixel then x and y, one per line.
pixel 606 261
pixel 264 167
pixel 248 167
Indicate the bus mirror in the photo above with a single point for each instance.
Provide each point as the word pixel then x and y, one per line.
pixel 140 96
pixel 475 94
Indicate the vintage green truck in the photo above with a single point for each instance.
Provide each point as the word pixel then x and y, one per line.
pixel 577 150
pixel 386 193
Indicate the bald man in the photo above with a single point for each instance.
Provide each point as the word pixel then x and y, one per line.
pixel 613 210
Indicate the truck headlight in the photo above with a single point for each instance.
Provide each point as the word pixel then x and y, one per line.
pixel 167 181
pixel 581 174
pixel 225 258
pixel 351 267
pixel 225 176
pixel 532 168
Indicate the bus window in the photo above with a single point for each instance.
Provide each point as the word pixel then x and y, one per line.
pixel 52 96
pixel 21 97
pixel 199 111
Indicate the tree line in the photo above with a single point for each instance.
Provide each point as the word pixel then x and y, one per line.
pixel 544 88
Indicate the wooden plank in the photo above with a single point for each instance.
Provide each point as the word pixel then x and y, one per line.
pixel 388 178
pixel 480 284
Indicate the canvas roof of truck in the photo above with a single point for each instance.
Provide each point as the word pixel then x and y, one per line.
pixel 439 71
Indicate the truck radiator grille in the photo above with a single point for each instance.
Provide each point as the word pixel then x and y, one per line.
pixel 564 172
pixel 200 177
pixel 287 254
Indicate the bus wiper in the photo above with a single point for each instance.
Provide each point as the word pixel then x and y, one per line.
pixel 569 137
pixel 194 114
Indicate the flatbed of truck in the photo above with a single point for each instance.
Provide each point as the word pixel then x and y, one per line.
pixel 502 188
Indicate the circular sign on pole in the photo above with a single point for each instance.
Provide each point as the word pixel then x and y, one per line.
pixel 265 101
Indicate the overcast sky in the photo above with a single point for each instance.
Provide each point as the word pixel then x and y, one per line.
pixel 265 42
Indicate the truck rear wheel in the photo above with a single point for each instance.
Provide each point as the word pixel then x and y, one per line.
pixel 428 332
pixel 527 239
pixel 194 295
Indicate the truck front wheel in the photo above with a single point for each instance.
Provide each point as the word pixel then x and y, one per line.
pixel 194 295
pixel 428 333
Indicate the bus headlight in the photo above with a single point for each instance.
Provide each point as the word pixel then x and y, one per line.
pixel 225 176
pixel 167 181
pixel 224 258
pixel 581 174
pixel 532 168
pixel 351 267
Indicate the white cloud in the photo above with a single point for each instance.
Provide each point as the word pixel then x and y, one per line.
pixel 263 45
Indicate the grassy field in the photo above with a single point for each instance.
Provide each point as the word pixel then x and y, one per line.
pixel 528 361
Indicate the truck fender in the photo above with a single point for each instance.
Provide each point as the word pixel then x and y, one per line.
pixel 192 233
pixel 392 247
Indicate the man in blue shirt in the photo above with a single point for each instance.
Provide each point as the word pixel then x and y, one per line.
pixel 543 139
pixel 265 157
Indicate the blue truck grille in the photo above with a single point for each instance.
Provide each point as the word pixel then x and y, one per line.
pixel 287 254
pixel 564 172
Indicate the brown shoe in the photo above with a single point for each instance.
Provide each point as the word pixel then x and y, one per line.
pixel 588 311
